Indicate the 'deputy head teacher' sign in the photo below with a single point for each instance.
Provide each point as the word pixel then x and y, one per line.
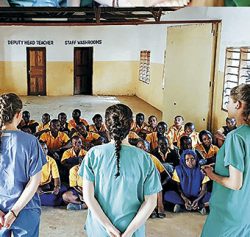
pixel 51 42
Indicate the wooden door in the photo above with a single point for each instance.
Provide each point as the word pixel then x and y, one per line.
pixel 36 71
pixel 189 73
pixel 83 70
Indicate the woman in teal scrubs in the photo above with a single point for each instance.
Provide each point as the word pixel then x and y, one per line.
pixel 237 3
pixel 230 201
pixel 120 182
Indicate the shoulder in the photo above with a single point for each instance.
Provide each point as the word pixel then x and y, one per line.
pixel 240 132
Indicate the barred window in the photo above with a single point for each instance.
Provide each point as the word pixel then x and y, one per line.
pixel 237 70
pixel 144 71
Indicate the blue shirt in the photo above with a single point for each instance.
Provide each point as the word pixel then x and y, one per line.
pixel 120 198
pixel 21 157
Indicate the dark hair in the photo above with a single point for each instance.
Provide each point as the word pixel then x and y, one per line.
pixel 184 138
pixel 96 116
pixel 178 116
pixel 205 132
pixel 139 115
pixel 61 114
pixel 10 105
pixel 189 125
pixel 242 93
pixel 118 119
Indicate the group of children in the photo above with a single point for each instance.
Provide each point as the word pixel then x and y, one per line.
pixel 178 153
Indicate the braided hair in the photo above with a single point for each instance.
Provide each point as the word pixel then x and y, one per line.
pixel 242 93
pixel 118 119
pixel 10 104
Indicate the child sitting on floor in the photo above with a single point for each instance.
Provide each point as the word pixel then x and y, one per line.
pixel 99 128
pixel 176 130
pixel 74 196
pixel 152 124
pixel 50 188
pixel 192 188
pixel 206 148
pixel 139 126
pixel 44 126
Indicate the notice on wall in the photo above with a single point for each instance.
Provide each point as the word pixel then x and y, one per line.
pixel 31 42
pixel 82 42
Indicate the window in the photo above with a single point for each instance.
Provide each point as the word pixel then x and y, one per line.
pixel 144 71
pixel 237 70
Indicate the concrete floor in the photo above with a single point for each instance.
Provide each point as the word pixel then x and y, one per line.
pixel 60 222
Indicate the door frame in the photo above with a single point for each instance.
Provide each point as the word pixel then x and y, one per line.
pixel 28 68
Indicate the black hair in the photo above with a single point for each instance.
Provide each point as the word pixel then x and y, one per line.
pixel 118 119
pixel 96 116
pixel 77 111
pixel 189 125
pixel 205 132
pixel 184 138
pixel 54 121
pixel 178 116
pixel 46 114
pixel 10 105
pixel 75 137
pixel 61 114
pixel 140 114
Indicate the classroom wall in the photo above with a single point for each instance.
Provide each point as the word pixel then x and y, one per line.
pixel 115 65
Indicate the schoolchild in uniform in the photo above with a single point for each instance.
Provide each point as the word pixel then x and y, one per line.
pixel 152 124
pixel 153 137
pixel 139 126
pixel 56 141
pixel 221 134
pixel 50 189
pixel 27 122
pixel 189 130
pixel 76 119
pixel 64 125
pixel 206 148
pixel 99 127
pixel 21 161
pixel 192 192
pixel 44 126
pixel 176 130
pixel 89 139
pixel 74 196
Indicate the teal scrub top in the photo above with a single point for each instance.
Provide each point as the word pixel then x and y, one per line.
pixel 239 3
pixel 120 198
pixel 230 209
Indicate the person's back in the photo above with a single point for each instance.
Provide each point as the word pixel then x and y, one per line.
pixel 121 197
pixel 17 156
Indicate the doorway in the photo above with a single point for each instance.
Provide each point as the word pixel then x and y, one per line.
pixel 36 70
pixel 83 70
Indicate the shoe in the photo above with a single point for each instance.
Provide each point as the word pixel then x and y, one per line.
pixel 75 207
pixel 161 215
pixel 153 215
pixel 203 211
pixel 177 208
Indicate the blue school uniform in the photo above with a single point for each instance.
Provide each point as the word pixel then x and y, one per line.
pixel 120 198
pixel 21 157
pixel 229 209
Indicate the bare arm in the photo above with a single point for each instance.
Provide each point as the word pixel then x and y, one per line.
pixel 144 212
pixel 95 208
pixel 73 3
pixel 234 181
pixel 25 197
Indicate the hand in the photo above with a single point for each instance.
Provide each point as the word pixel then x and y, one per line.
pixel 208 170
pixel 195 204
pixel 112 231
pixel 188 204
pixel 56 190
pixel 9 218
pixel 2 214
pixel 39 190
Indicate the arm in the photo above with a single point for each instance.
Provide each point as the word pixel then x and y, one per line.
pixel 187 202
pixel 57 186
pixel 25 197
pixel 201 195
pixel 93 205
pixel 234 181
pixel 142 215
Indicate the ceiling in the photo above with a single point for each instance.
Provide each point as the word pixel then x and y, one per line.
pixel 88 15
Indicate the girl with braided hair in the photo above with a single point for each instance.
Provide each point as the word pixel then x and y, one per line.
pixel 229 204
pixel 120 181
pixel 21 161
